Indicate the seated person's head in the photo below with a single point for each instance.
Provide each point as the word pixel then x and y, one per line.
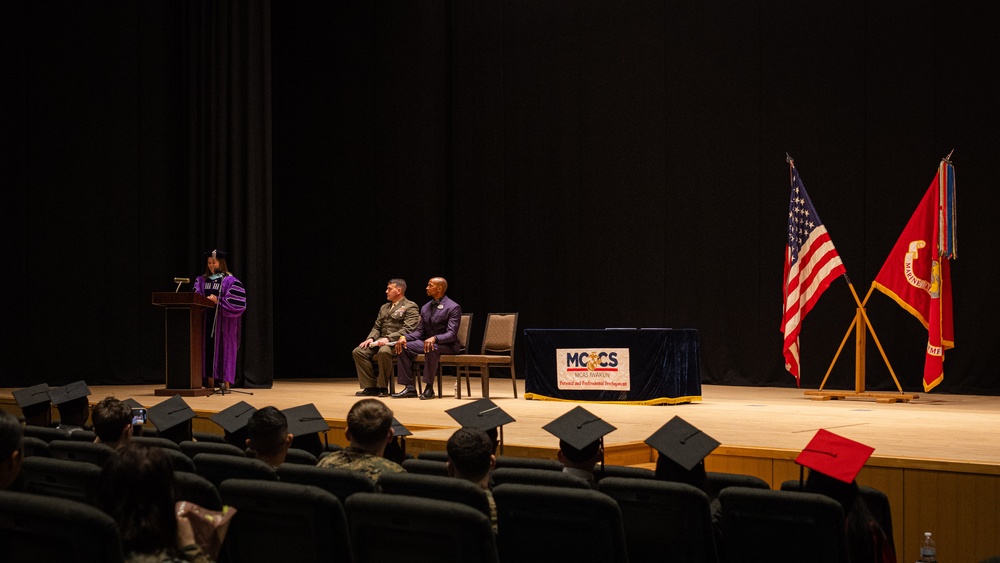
pixel 11 449
pixel 493 434
pixel 585 458
pixel 369 425
pixel 112 421
pixel 669 470
pixel 38 415
pixel 844 493
pixel 470 455
pixel 269 438
pixel 74 412
pixel 136 488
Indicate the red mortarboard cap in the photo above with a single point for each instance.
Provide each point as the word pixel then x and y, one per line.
pixel 834 456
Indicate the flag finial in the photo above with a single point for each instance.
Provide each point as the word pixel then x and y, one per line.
pixel 948 158
pixel 789 159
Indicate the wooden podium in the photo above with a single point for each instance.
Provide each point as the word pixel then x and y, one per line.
pixel 183 342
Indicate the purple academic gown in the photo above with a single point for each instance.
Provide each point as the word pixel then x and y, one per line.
pixel 439 320
pixel 232 303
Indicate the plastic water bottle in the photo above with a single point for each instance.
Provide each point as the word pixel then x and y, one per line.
pixel 928 549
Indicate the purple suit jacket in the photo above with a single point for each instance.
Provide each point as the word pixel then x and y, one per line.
pixel 441 321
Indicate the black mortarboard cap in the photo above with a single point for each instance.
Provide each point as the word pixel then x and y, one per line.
pixel 483 414
pixel 835 456
pixel 579 428
pixel 234 418
pixel 305 419
pixel 134 404
pixel 31 396
pixel 398 430
pixel 215 253
pixel 69 392
pixel 170 413
pixel 682 443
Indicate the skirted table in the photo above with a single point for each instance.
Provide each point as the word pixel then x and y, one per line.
pixel 649 366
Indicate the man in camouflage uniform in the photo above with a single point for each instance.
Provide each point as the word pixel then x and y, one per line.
pixel 369 429
pixel 396 318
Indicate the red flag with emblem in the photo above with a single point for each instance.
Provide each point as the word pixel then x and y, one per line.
pixel 917 274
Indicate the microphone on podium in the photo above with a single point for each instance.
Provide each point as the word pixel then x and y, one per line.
pixel 179 282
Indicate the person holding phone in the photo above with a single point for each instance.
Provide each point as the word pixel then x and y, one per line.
pixel 113 421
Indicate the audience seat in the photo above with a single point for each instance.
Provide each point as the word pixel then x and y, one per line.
pixel 35 528
pixel 538 523
pixel 425 467
pixel 528 463
pixel 545 477
pixel 73 480
pixel 450 489
pixel 191 448
pixel 80 451
pixel 412 529
pixel 341 483
pixel 220 467
pixel 285 522
pixel 195 488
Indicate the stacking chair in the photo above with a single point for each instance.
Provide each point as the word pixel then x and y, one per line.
pixel 285 522
pixel 37 528
pixel 220 467
pixel 341 483
pixel 528 463
pixel 195 488
pixel 876 501
pixel 538 523
pixel 80 451
pixel 497 351
pixel 715 482
pixel 464 329
pixel 45 433
pixel 72 480
pixel 525 476
pixel 191 449
pixel 673 519
pixel 426 467
pixel 450 489
pixel 405 528
pixel 301 457
pixel 781 527
pixel 35 446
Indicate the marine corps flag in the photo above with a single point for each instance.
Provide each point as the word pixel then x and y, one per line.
pixel 917 274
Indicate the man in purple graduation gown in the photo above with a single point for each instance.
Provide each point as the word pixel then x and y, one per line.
pixel 437 334
pixel 222 287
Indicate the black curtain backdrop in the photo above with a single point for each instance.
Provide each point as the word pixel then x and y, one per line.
pixel 584 163
pixel 228 94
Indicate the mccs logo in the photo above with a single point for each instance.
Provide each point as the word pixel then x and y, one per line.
pixel 591 361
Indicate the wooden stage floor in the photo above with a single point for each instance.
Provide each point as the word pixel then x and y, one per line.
pixel 959 429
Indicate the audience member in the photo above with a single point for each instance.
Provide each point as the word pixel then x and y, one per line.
pixel 682 450
pixel 305 424
pixel 485 415
pixel 137 489
pixel 581 442
pixel 436 334
pixel 172 419
pixel 11 449
pixel 395 318
pixel 233 421
pixel 112 422
pixel 834 462
pixel 470 457
pixel 369 430
pixel 74 408
pixel 36 405
pixel 269 438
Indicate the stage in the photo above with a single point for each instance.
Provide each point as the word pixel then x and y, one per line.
pixel 937 457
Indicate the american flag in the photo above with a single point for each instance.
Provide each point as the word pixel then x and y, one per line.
pixel 811 263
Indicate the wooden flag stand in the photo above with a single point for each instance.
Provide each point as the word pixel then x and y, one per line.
pixel 861 330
